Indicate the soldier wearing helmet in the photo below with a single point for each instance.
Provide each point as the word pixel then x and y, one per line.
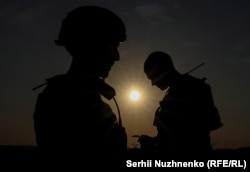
pixel 71 119
pixel 91 35
pixel 187 113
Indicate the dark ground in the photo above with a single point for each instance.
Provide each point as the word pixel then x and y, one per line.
pixel 20 156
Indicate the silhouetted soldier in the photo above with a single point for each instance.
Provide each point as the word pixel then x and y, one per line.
pixel 187 113
pixel 71 120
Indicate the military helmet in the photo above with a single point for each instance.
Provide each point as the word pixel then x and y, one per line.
pixel 91 23
pixel 158 61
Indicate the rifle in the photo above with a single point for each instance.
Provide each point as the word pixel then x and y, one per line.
pixel 204 78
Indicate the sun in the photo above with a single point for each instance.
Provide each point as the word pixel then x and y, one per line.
pixel 134 95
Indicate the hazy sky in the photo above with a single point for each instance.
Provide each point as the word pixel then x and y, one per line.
pixel 215 32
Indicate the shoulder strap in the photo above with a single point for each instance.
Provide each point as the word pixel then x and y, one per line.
pixel 119 114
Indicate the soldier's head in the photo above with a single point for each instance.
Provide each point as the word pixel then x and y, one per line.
pixel 160 69
pixel 92 34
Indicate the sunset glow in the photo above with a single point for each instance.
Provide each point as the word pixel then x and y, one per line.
pixel 134 95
